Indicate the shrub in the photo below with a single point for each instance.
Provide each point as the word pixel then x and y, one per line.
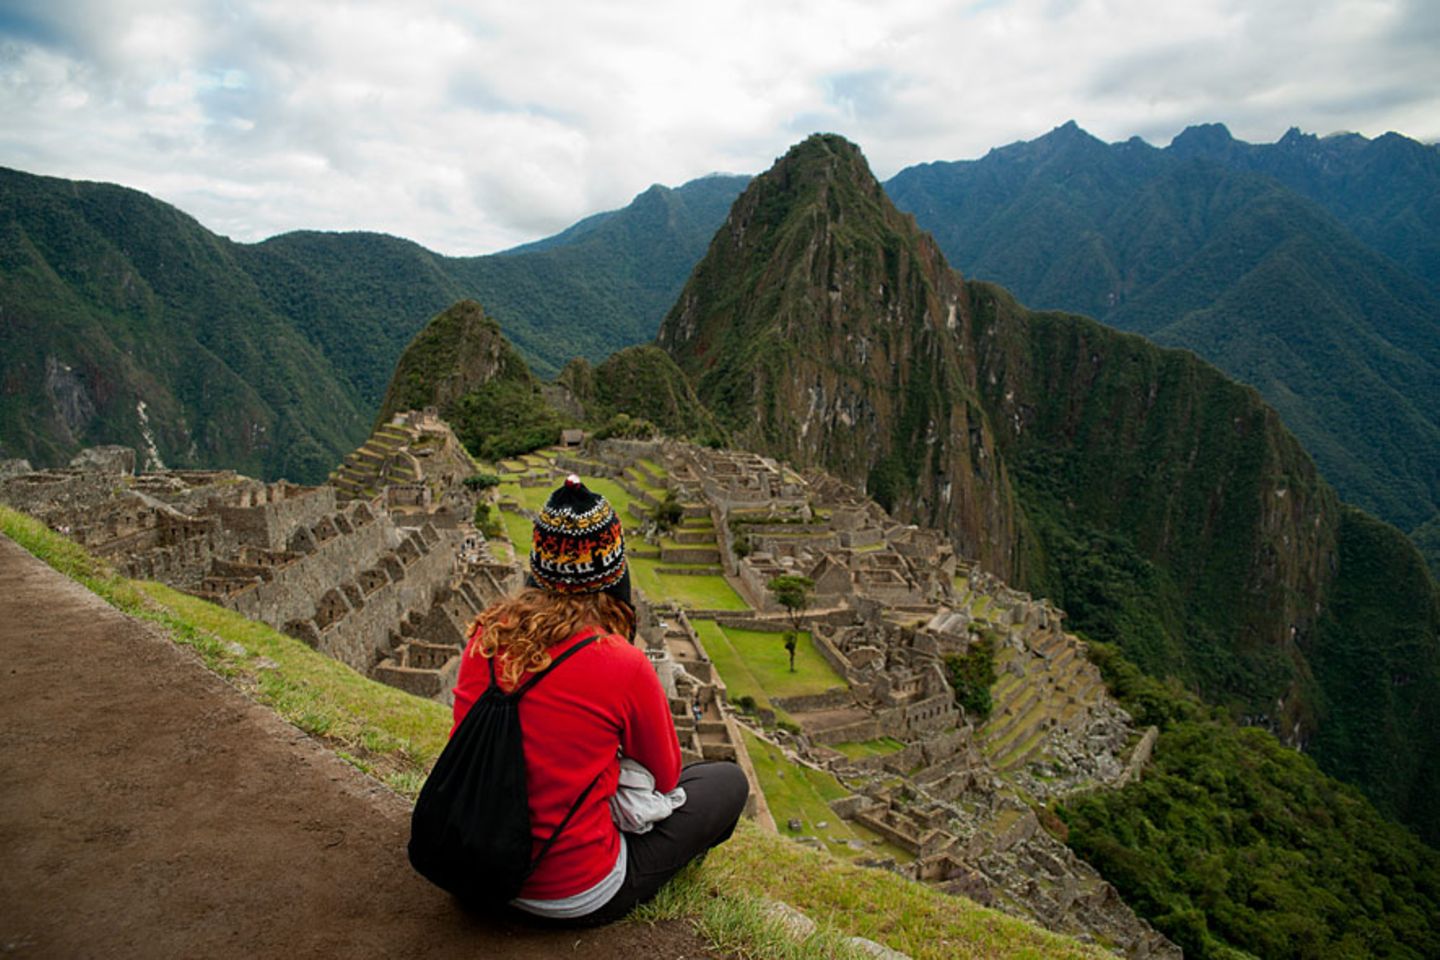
pixel 972 674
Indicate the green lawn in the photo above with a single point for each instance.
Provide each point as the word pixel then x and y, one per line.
pixel 803 794
pixel 696 593
pixel 860 749
pixel 518 529
pixel 739 681
pixel 765 654
pixel 710 592
pixel 760 667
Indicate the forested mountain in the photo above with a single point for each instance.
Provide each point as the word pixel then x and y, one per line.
pixel 273 357
pixel 1306 268
pixel 599 286
pixel 1162 505
pixel 125 321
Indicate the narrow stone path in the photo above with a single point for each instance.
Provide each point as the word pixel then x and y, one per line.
pixel 149 810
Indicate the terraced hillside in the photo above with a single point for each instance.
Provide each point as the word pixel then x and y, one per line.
pixel 860 750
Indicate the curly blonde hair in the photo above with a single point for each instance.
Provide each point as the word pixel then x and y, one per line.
pixel 525 625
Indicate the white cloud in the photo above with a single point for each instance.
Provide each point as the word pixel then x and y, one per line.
pixel 470 127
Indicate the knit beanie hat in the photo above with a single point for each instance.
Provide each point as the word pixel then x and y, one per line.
pixel 579 546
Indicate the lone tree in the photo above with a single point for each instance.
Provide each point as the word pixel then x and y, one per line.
pixel 669 512
pixel 792 592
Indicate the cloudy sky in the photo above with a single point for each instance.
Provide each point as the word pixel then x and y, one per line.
pixel 471 127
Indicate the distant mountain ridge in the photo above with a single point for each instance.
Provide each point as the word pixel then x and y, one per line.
pixel 127 321
pixel 1309 268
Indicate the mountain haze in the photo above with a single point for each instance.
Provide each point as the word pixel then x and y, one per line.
pixel 1162 505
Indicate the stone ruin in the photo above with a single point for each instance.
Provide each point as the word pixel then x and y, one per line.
pixel 417 464
pixel 891 601
pixel 385 583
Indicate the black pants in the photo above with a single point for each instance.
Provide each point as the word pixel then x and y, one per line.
pixel 715 794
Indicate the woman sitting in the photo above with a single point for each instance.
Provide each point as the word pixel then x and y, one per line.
pixel 600 704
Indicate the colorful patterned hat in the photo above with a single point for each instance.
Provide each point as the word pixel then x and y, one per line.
pixel 579 546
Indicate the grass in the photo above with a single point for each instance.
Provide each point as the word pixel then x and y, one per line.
pixel 860 749
pixel 398 735
pixel 707 592
pixel 850 901
pixel 639 480
pixel 739 681
pixel 797 792
pixel 766 660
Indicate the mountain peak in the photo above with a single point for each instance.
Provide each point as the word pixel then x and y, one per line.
pixel 1295 137
pixel 1202 139
pixel 802 324
pixel 823 154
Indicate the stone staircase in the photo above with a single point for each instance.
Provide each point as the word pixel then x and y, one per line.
pixel 379 460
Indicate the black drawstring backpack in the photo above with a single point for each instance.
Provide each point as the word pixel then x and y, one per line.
pixel 470 832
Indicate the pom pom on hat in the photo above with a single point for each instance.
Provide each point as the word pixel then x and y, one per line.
pixel 578 545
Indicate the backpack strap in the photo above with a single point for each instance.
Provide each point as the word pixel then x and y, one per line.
pixel 520 690
pixel 595 634
pixel 535 861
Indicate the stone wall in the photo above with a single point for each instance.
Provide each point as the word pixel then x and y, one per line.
pixel 268 525
pixel 292 592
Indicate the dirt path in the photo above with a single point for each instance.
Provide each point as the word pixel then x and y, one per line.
pixel 147 809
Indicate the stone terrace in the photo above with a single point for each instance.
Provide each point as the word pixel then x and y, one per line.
pixel 386 583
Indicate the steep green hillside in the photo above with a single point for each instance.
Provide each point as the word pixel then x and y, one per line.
pixel 1230 842
pixel 359 297
pixel 125 321
pixel 1427 538
pixel 1306 268
pixel 1162 505
pixel 1168 508
pixel 1386 191
pixel 461 364
pixel 641 382
pixel 271 357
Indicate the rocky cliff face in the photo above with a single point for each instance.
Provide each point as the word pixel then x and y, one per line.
pixel 821 327
pixel 1162 505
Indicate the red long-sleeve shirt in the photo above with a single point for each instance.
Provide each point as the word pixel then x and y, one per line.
pixel 605 698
